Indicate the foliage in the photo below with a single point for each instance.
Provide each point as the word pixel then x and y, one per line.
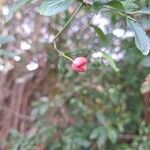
pixel 105 102
pixel 102 107
pixel 124 8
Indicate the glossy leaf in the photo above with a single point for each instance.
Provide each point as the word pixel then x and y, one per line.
pixel 52 7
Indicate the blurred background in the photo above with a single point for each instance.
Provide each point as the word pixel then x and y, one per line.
pixel 44 105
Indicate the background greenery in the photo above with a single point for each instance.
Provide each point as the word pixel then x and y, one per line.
pixel 103 107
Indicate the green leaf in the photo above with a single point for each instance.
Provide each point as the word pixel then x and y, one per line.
pixel 94 134
pixel 142 41
pixel 145 11
pixel 100 33
pixel 7 53
pixel 115 4
pixel 52 7
pixel 16 7
pixel 6 39
pixel 102 137
pixel 99 134
pixel 97 5
pixel 129 7
pixel 106 58
pixel 112 135
pixel 110 61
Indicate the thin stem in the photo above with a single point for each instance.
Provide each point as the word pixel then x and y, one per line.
pixel 135 12
pixel 120 12
pixel 60 32
pixel 61 53
pixel 68 22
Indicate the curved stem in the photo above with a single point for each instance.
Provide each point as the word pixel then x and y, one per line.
pixel 62 54
pixel 68 22
pixel 120 12
pixel 60 32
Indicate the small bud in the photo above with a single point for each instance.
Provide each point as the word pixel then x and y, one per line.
pixel 79 64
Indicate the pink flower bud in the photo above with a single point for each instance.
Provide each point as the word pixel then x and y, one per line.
pixel 79 64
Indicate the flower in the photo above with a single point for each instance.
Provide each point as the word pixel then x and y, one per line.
pixel 79 64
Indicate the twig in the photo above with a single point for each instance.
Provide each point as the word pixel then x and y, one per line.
pixel 68 22
pixel 61 31
pixel 61 53
pixel 122 13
